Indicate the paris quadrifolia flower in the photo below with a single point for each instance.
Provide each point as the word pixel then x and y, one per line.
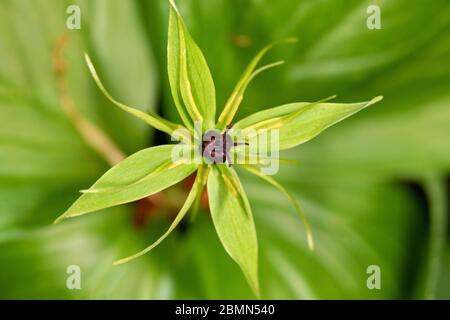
pixel 212 148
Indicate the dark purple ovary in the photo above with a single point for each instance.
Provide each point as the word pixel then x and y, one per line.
pixel 216 147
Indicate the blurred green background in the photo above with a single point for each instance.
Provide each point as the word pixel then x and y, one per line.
pixel 375 187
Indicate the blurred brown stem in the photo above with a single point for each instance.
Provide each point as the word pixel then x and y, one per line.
pixel 95 137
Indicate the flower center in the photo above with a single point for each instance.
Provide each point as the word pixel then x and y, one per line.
pixel 216 146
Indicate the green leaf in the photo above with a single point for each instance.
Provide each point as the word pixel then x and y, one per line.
pixel 298 122
pixel 92 244
pixel 37 143
pixel 189 74
pixel 202 175
pixel 237 95
pixel 110 32
pixel 137 177
pixel 152 119
pixel 233 220
pixel 443 286
pixel 291 198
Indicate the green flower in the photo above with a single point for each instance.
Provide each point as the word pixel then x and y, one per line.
pixel 152 170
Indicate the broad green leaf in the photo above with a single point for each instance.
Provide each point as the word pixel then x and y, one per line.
pixel 137 177
pixel 152 119
pixel 189 74
pixel 354 226
pixel 27 60
pixel 40 144
pixel 32 67
pixel 443 285
pixel 44 199
pixel 202 175
pixel 92 244
pixel 233 103
pixel 233 221
pixel 299 122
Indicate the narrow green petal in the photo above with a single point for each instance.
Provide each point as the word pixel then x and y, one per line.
pixel 152 119
pixel 244 156
pixel 237 95
pixel 294 201
pixel 198 199
pixel 262 69
pixel 199 181
pixel 233 221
